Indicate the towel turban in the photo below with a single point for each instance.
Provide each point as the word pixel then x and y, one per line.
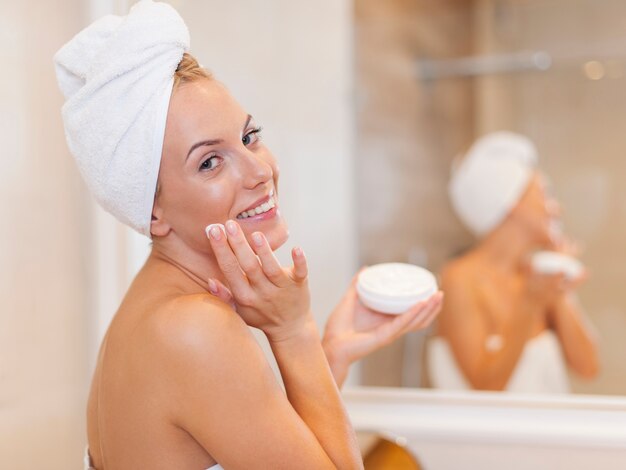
pixel 491 179
pixel 117 77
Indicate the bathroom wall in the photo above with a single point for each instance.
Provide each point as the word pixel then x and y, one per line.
pixel 402 154
pixel 44 252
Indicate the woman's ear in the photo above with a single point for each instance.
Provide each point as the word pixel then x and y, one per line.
pixel 158 227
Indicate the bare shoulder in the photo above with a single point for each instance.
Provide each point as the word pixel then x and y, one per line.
pixel 197 324
pixel 457 272
pixel 458 282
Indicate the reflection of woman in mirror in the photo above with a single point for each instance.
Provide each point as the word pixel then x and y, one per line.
pixel 180 381
pixel 505 326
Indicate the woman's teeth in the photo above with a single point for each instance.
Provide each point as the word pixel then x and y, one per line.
pixel 266 206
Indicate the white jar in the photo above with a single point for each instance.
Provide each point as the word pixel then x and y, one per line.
pixel 552 262
pixel 394 287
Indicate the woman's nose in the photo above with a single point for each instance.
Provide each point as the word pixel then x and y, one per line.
pixel 256 169
pixel 553 208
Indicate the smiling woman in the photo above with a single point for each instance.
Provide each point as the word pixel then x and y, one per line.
pixel 180 381
pixel 213 155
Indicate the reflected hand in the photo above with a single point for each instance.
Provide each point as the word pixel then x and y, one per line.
pixel 353 331
pixel 569 246
pixel 545 290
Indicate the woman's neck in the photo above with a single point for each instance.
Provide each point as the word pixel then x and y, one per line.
pixel 198 267
pixel 505 248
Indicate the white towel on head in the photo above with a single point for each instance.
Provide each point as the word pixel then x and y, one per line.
pixel 117 76
pixel 490 180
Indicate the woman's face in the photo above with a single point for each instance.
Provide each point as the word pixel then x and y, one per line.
pixel 539 212
pixel 214 168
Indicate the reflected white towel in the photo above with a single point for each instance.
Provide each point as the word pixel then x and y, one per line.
pixel 541 368
pixel 490 180
pixel 117 77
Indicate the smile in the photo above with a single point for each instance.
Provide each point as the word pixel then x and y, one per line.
pixel 260 209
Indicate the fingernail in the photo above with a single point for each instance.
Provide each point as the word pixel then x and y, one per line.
pixel 298 251
pixel 214 231
pixel 212 286
pixel 231 227
pixel 257 239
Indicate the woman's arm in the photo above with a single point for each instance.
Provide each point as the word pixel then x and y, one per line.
pixel 353 331
pixel 313 393
pixel 225 395
pixel 276 300
pixel 576 334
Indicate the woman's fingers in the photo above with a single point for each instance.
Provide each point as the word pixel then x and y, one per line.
pixel 226 259
pixel 222 292
pixel 580 280
pixel 424 319
pixel 270 265
pixel 390 330
pixel 300 270
pixel 255 261
pixel 245 256
pixel 417 317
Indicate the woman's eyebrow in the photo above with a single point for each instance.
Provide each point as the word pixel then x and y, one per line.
pixel 203 143
pixel 214 141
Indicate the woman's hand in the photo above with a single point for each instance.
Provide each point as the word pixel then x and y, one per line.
pixel 543 291
pixel 267 296
pixel 354 331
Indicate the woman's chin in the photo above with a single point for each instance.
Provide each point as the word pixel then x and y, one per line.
pixel 277 238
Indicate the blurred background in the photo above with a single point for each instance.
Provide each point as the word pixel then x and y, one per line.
pixel 365 103
pixel 431 77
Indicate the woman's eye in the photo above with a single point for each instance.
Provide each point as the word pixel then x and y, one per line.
pixel 210 163
pixel 251 137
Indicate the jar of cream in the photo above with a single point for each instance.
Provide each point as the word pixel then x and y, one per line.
pixel 552 262
pixel 393 288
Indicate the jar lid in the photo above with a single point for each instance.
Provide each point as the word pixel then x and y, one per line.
pixel 552 262
pixel 397 281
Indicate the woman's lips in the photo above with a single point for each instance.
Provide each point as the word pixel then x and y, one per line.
pixel 259 217
pixel 260 207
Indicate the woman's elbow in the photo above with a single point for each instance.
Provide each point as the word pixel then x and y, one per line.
pixel 588 370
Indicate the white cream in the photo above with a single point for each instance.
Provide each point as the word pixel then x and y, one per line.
pixel 552 262
pixel 395 287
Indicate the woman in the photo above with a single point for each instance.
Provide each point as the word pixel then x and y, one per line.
pixel 180 381
pixel 505 327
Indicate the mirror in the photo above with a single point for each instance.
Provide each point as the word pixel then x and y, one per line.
pixel 431 79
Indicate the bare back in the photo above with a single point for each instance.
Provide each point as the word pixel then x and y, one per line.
pixel 496 298
pixel 486 321
pixel 130 414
